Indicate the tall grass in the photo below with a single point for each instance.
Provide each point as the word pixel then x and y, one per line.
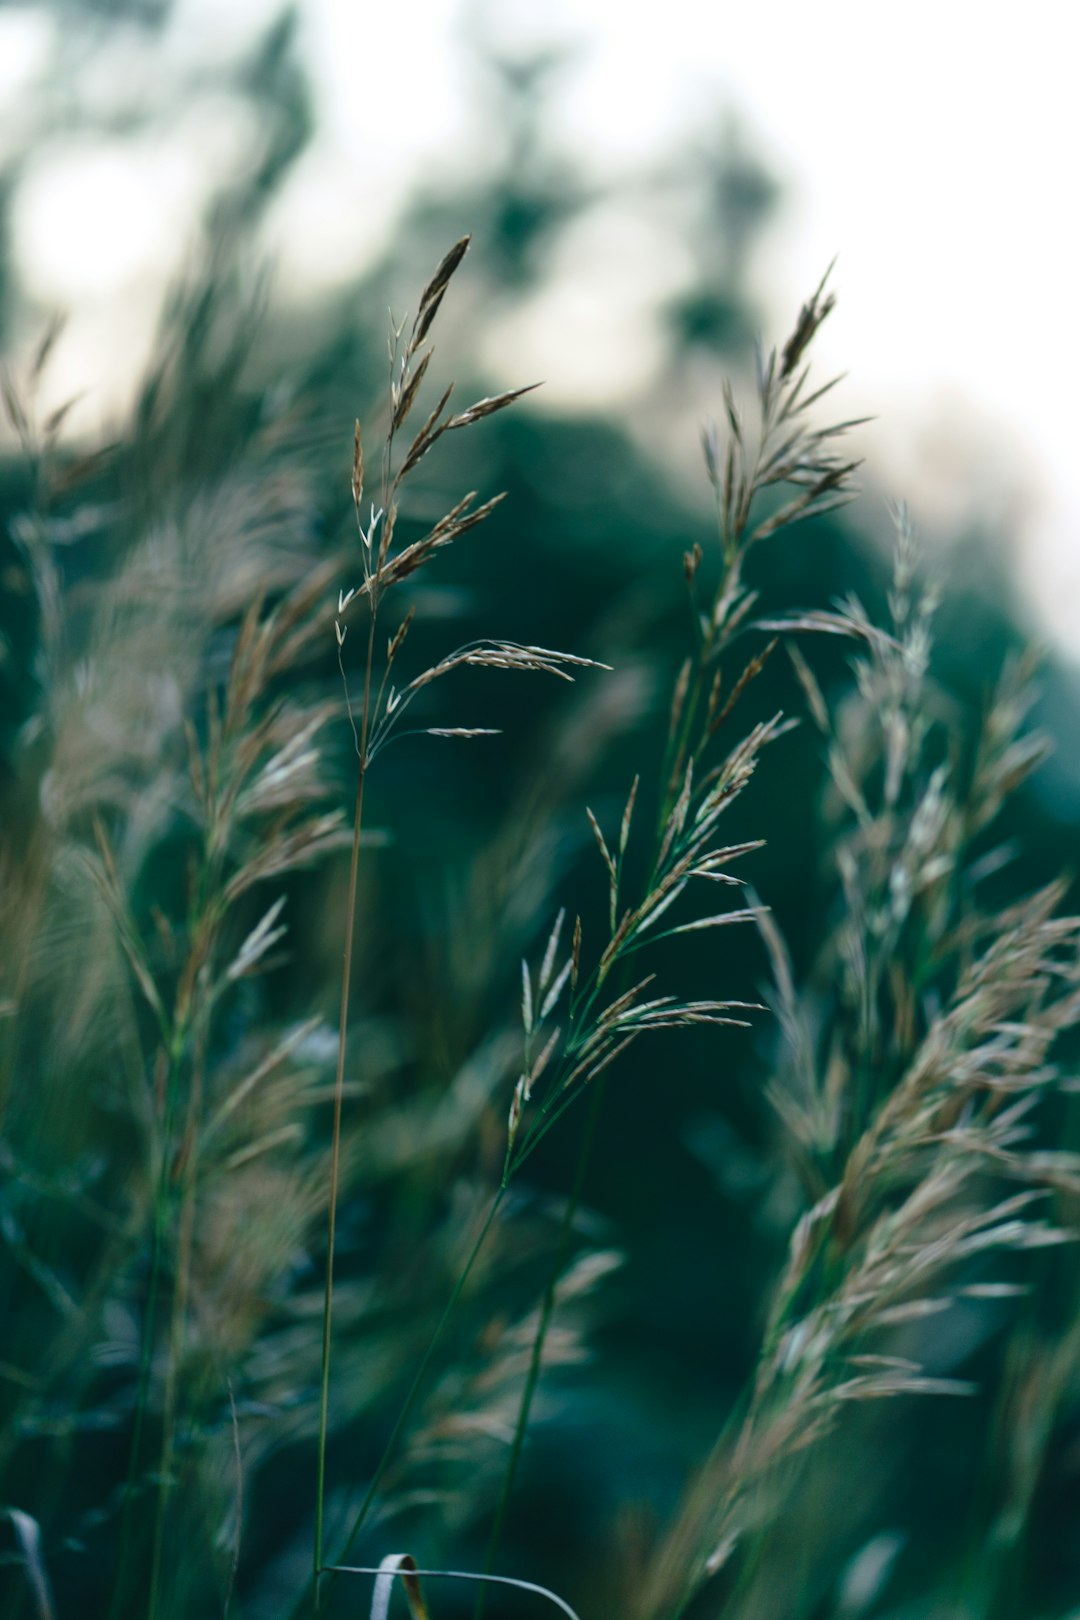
pixel 187 1154
pixel 910 1084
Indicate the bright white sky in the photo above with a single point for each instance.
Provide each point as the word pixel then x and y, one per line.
pixel 933 146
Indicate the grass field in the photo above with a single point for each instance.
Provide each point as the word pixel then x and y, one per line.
pixel 465 1161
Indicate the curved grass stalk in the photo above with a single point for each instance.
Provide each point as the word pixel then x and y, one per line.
pixel 396 1568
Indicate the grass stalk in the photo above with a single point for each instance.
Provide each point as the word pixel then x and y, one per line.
pixel 339 1092
pixel 690 734
pixel 414 1390
pixel 145 1357
pixel 146 1349
pixel 190 1020
pixel 536 1358
pixel 176 1339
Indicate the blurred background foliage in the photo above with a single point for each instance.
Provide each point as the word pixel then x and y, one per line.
pixel 125 571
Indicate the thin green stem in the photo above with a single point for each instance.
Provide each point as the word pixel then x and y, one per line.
pixel 175 1036
pixel 135 1452
pixel 181 1292
pixel 161 1221
pixel 537 1357
pixel 335 1149
pixel 414 1390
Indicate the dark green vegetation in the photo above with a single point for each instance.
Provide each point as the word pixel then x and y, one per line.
pixel 663 1386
